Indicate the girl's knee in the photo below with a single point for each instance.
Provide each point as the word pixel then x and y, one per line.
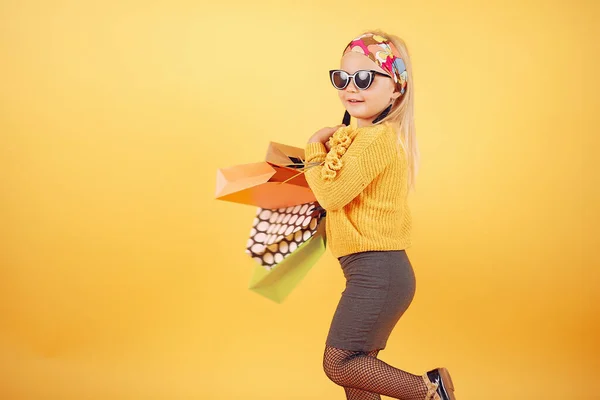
pixel 332 366
pixel 333 363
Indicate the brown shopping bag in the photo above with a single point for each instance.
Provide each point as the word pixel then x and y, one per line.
pixel 285 243
pixel 274 183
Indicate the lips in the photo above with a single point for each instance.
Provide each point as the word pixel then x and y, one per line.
pixel 354 101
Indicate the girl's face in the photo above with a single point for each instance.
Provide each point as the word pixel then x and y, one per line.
pixel 366 105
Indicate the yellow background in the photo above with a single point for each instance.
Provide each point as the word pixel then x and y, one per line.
pixel 122 278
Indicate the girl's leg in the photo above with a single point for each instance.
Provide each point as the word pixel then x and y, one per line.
pixel 359 370
pixel 357 394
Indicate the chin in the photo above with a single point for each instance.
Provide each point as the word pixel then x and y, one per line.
pixel 360 115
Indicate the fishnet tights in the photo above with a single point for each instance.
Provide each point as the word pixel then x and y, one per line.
pixel 365 377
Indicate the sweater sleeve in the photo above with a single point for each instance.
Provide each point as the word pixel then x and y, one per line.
pixel 315 152
pixel 366 158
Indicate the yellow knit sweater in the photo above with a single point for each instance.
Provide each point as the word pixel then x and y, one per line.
pixel 362 184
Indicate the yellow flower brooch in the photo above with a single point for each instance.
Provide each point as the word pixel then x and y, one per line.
pixel 339 143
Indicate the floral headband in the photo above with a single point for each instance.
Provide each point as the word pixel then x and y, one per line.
pixel 383 52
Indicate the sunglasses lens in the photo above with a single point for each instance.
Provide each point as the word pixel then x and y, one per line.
pixel 362 79
pixel 339 79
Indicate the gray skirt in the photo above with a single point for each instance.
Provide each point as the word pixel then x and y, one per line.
pixel 380 285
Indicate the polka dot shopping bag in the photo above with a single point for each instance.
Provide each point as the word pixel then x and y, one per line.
pixel 286 243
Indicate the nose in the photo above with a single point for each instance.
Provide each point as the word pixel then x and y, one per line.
pixel 351 86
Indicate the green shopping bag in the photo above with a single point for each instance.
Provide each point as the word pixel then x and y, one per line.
pixel 279 281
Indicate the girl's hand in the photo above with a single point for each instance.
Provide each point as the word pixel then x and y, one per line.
pixel 323 135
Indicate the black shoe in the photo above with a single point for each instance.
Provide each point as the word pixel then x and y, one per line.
pixel 445 387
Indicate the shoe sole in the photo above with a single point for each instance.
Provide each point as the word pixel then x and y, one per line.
pixel 448 384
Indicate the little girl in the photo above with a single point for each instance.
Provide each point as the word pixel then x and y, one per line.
pixel 362 178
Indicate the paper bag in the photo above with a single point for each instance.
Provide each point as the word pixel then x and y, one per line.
pixel 274 183
pixel 277 233
pixel 281 279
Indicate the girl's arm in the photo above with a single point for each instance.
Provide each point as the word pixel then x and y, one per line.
pixel 367 156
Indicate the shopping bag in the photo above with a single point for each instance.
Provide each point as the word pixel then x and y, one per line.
pixel 277 282
pixel 276 233
pixel 285 156
pixel 277 182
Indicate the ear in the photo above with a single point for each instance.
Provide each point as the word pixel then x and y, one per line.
pixel 396 94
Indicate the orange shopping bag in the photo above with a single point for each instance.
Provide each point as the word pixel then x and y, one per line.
pixel 274 183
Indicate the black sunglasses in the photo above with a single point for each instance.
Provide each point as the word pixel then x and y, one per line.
pixel 362 78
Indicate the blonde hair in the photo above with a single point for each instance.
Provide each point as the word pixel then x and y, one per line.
pixel 402 114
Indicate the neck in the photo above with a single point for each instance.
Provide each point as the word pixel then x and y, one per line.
pixel 360 123
pixel 375 119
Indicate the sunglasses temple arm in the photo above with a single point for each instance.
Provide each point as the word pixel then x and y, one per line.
pixel 346 119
